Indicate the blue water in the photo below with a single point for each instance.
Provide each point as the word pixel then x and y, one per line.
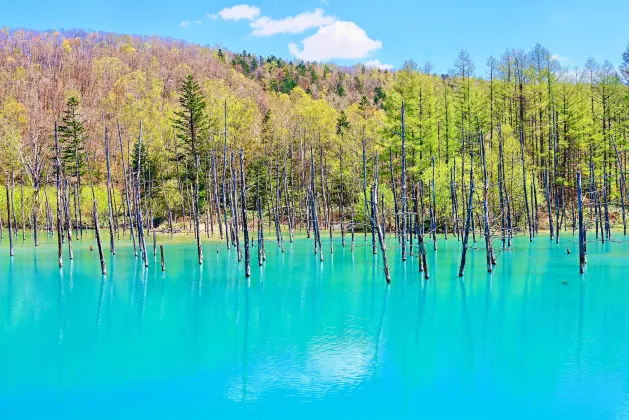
pixel 304 339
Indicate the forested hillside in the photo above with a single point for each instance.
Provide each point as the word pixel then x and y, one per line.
pixel 533 123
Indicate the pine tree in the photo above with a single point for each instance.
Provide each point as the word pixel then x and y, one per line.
pixel 191 124
pixel 72 136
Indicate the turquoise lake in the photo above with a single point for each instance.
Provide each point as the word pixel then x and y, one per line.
pixel 304 339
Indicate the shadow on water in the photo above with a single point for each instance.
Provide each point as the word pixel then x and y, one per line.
pixel 466 320
pixel 10 292
pixel 582 292
pixel 245 342
pixel 381 324
pixel 421 306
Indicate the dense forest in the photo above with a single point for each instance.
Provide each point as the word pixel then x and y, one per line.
pixel 159 134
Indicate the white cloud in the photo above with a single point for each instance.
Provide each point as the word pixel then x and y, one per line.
pixel 376 64
pixel 342 40
pixel 559 58
pixel 265 26
pixel 186 23
pixel 241 11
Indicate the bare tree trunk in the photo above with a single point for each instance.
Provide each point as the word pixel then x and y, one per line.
pixel 582 238
pixel 313 207
pixel 468 219
pixel 68 220
pixel 374 206
pixel 224 177
pixel 126 190
pixel 138 211
pixel 59 226
pixel 10 226
pixel 234 204
pixel 488 244
pixel 395 207
pixel 500 189
pixel 403 216
pixel 216 199
pixel 95 217
pixel 365 182
pixel 112 244
pixel 243 203
pixel 196 208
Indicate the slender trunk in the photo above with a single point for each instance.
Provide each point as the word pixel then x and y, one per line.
pixel 196 208
pixel 112 245
pixel 582 238
pixel 126 190
pixel 245 228
pixel 488 245
pixel 224 176
pixel 383 244
pixel 403 216
pixel 467 221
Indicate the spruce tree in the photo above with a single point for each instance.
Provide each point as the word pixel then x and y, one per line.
pixel 191 125
pixel 72 137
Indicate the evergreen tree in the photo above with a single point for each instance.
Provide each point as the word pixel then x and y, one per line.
pixel 72 137
pixel 191 124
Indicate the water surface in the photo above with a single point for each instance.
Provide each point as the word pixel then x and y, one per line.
pixel 304 339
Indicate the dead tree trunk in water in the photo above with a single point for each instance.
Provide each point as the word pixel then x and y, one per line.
pixel 224 177
pixel 341 203
pixel 313 207
pixel 68 221
pixel 383 244
pixel 365 182
pixel 403 135
pixel 95 218
pixel 488 245
pixel 500 190
pixel 623 189
pixel 112 244
pixel 289 218
pixel 395 207
pixel 245 228
pixel 550 214
pixel 468 219
pixel 373 210
pixel 433 212
pixel 10 221
pixel 526 199
pixel 196 208
pixel 234 206
pixel 126 190
pixel 138 210
pixel 216 199
pixel 421 257
pixel 582 240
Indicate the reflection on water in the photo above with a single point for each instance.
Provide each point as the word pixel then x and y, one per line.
pixel 534 338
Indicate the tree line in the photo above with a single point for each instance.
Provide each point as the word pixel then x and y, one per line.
pixel 155 134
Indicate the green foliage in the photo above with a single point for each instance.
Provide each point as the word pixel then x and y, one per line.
pixel 190 122
pixel 72 138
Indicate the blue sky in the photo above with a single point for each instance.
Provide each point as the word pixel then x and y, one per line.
pixel 350 31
